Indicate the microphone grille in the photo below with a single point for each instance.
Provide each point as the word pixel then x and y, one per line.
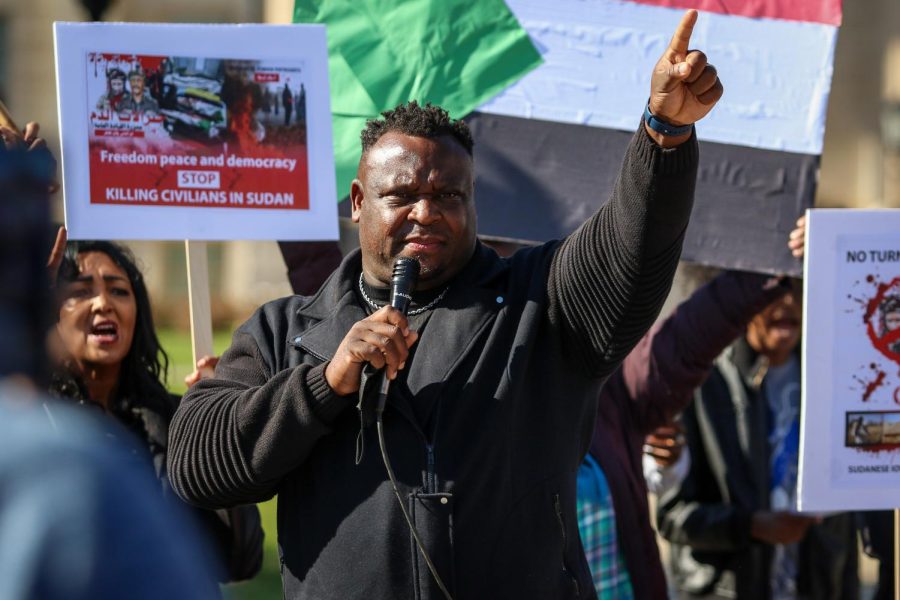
pixel 406 269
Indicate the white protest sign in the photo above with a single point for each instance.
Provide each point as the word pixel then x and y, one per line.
pixel 196 132
pixel 850 417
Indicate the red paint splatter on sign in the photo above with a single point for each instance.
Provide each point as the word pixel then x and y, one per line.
pixel 873 385
pixel 883 341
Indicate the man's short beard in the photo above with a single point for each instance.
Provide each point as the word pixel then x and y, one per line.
pixel 424 269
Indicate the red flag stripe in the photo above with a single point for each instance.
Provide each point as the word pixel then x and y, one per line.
pixel 815 11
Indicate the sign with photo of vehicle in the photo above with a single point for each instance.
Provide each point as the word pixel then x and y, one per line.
pixel 203 143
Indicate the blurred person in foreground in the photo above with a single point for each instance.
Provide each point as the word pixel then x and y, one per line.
pixel 731 522
pixel 636 416
pixel 78 520
pixel 494 373
pixel 106 356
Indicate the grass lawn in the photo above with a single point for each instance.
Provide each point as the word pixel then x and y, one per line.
pixel 266 585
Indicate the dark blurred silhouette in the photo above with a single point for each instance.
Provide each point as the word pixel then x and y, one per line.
pixel 77 519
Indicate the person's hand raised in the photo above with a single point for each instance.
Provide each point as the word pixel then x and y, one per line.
pixel 684 87
pixel 42 162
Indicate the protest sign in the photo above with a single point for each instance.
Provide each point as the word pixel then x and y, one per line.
pixel 196 132
pixel 850 417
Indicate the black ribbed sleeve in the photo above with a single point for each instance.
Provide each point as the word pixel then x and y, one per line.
pixel 234 437
pixel 609 279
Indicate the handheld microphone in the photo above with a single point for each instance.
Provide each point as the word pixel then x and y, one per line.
pixel 403 280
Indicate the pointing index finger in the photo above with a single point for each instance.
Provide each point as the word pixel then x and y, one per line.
pixel 682 38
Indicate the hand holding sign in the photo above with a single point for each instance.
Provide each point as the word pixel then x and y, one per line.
pixel 683 88
pixel 205 369
pixel 797 238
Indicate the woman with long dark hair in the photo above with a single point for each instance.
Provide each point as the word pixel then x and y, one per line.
pixel 109 357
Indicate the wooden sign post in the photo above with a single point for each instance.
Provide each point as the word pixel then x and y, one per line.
pixel 198 294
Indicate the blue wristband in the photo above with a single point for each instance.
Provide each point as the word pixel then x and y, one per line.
pixel 663 127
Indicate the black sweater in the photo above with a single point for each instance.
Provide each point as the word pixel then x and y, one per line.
pixel 514 357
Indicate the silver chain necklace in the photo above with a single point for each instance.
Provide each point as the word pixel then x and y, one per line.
pixel 418 311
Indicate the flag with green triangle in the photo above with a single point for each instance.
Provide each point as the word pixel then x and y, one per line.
pixel 456 53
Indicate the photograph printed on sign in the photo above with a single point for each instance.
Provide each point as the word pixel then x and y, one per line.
pixel 197 131
pixel 866 374
pixel 873 429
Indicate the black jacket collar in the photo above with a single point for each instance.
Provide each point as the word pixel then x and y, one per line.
pixel 337 308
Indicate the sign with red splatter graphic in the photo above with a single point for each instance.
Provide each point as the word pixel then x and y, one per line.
pixel 205 143
pixel 850 424
pixel 883 318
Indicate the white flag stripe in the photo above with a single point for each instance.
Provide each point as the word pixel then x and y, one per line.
pixel 598 55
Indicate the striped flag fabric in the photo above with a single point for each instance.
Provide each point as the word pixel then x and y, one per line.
pixel 549 146
pixel 821 11
pixel 551 125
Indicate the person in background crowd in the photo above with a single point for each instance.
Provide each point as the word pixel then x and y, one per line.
pixel 309 264
pixel 636 409
pixel 109 358
pixel 266 101
pixel 731 522
pixel 877 534
pixel 877 526
pixel 300 103
pixel 287 100
pixel 78 519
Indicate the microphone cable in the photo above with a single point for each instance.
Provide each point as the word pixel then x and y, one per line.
pixel 405 274
pixel 412 528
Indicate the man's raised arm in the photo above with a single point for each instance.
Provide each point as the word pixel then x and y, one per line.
pixel 609 279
